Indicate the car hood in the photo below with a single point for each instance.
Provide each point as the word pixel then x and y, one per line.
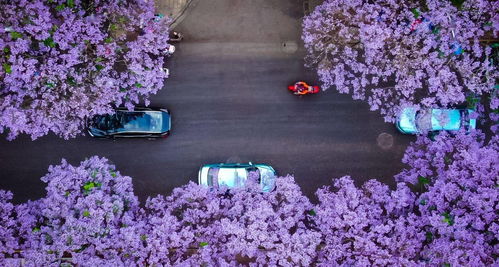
pixel 407 120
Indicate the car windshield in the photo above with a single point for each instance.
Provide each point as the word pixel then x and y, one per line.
pixel 267 179
pixel 131 121
pixel 423 120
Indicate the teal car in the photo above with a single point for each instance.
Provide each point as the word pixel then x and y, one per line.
pixel 413 121
pixel 235 175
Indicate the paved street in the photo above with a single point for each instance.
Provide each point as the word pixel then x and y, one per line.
pixel 227 93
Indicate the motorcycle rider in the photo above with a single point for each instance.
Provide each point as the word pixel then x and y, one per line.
pixel 302 88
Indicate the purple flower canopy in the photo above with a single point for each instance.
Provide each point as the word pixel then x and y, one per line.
pixel 64 61
pixel 91 215
pixel 404 53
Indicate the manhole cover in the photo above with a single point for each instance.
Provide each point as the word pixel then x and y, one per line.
pixel 385 141
pixel 289 47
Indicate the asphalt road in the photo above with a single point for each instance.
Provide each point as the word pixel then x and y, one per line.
pixel 227 93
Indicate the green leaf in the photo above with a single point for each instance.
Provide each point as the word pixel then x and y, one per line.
pixel 50 85
pixel 447 264
pixel 415 12
pixel 88 186
pixel 122 19
pixel 70 3
pixel 113 27
pixel 423 180
pixel 143 237
pixel 429 236
pixel 422 202
pixel 448 218
pixel 66 194
pixel 6 50
pixel 99 67
pixel 108 40
pixel 36 229
pixel 49 42
pixel 7 68
pixel 435 30
pixel 312 212
pixel 71 80
pixel 82 248
pixel 122 89
pixel 60 7
pixel 203 244
pixel 27 20
pixel 494 45
pixel 99 59
pixel 86 213
pixel 16 35
pixel 113 174
pixel 457 3
pixel 138 85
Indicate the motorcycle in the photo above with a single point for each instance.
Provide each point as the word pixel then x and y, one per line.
pixel 175 37
pixel 302 88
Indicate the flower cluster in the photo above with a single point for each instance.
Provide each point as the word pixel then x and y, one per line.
pixel 367 226
pixel 62 61
pixel 459 200
pixel 8 239
pixel 404 53
pixel 244 224
pixel 89 210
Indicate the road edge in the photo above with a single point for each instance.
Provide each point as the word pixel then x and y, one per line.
pixel 182 14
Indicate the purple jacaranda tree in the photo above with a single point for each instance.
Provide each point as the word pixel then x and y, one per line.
pixel 404 53
pixel 458 176
pixel 62 61
pixel 367 226
pixel 219 227
pixel 90 214
pixel 8 226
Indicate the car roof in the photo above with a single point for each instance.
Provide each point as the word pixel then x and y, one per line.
pixel 152 121
pixel 445 119
pixel 232 177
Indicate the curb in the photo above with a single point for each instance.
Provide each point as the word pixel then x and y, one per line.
pixel 182 14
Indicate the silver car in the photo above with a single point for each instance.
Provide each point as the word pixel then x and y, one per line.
pixel 235 175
